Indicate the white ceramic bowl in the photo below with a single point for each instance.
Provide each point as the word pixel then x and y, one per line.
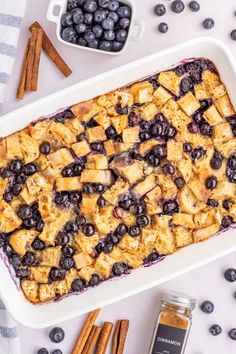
pixel 135 33
pixel 141 279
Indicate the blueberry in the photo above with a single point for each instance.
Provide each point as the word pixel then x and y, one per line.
pixel 218 155
pixel 124 23
pixel 179 182
pixel 208 23
pixel 138 209
pixel 168 169
pixel 77 285
pixel 42 351
pixel 152 257
pixel 213 203
pixel 159 151
pixel 29 259
pixel 16 189
pixel 170 207
pixel 57 351
pixel 20 179
pixel 232 333
pixel 101 202
pixel 207 307
pixel 22 273
pixel 211 182
pixel 45 148
pixel 68 34
pixel 142 220
pixel 134 231
pixel 95 280
pixel 30 169
pixel 89 36
pixel 109 35
pixel 233 35
pixel 63 238
pixel 108 247
pixel 57 274
pixel 93 44
pixel 5 173
pixel 163 27
pixel 124 11
pixel 68 251
pixel 125 204
pixel 67 19
pixel 105 46
pixel 61 198
pixel 67 263
pixel 194 6
pixel 144 136
pixel 16 166
pixel 230 275
pixel 114 17
pixel 57 335
pixel 153 160
pixel 99 16
pixel 71 226
pixel 97 146
pixel 159 10
pixel 24 212
pixel 81 28
pixel 121 229
pixel 80 220
pixel 103 3
pixel 177 6
pixel 88 229
pixel 193 128
pixel 232 163
pixel 108 24
pixel 8 197
pixel 7 250
pixel 15 260
pixel 186 85
pixel 117 46
pixel 111 132
pixel 226 204
pixel 197 153
pixel 90 6
pixel 113 5
pixel 170 131
pixel 99 188
pixel 216 164
pixel 38 245
pixel 88 18
pixel 119 268
pixel 206 129
pixel 75 197
pixel 215 330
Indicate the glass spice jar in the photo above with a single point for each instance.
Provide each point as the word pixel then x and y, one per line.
pixel 173 324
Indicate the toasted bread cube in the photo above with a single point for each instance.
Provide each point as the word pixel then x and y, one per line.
pixel 103 119
pixel 121 147
pixel 197 186
pixel 175 116
pixel 75 126
pixel 62 133
pixel 105 221
pixel 189 104
pixel 185 168
pixel 182 219
pixel 153 208
pixel 219 91
pixel 170 81
pixel 21 240
pixel 86 244
pixel 131 135
pixel 52 227
pixel 61 287
pixel 86 110
pixel 205 219
pixel 154 195
pixel 29 147
pixel 3 185
pixel 31 290
pixel 38 131
pixel 71 275
pixel 107 100
pixel 145 186
pixel 81 148
pixel 45 204
pixel 89 204
pixel 51 256
pixel 130 170
pixel 188 201
pixel 133 260
pixel 120 123
pixel 224 106
pixel 47 292
pixel 103 265
pixel 228 148
pixel 40 274
pixel 82 260
pixel 109 147
pixel 174 150
pixel 200 91
pixel 13 147
pixel 222 132
pixel 170 109
pixel 165 241
pixel 97 162
pixel 3 153
pixel 129 243
pixel 223 190
pixel 211 80
pixel 183 237
pixel 9 221
pixel 147 145
pixel 148 111
pixel 60 158
pixel 148 238
pixel 86 273
pixel 112 194
pixel 142 92
pixel 37 183
pixel 68 184
pixel 96 176
pixel 168 187
pixel 95 134
pixel 203 234
pixel 161 96
pixel 212 116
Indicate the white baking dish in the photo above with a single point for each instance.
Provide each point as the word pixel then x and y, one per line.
pixel 135 33
pixel 186 259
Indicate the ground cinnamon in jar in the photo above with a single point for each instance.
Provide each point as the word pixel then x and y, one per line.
pixel 174 323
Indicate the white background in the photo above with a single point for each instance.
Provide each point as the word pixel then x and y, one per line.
pixel 205 283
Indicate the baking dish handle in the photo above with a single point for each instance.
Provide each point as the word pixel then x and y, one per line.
pixel 137 30
pixel 52 4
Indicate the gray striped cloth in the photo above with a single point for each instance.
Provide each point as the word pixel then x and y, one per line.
pixel 11 14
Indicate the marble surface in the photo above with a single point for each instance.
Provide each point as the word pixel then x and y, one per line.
pixel 205 283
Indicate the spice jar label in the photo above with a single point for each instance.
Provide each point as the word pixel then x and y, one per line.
pixel 169 340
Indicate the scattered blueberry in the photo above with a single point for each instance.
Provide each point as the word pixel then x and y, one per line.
pixel 233 35
pixel 215 330
pixel 232 333
pixel 160 10
pixel 67 263
pixel 16 166
pixel 29 258
pixel 38 245
pixel 212 202
pixel 57 335
pixel 177 6
pixel 208 23
pixel 42 351
pixel 193 128
pixel 57 351
pixel 186 85
pixel 163 27
pixel 8 197
pixel 230 275
pixel 207 307
pixel 194 6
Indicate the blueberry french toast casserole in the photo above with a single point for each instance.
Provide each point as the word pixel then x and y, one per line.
pixel 118 181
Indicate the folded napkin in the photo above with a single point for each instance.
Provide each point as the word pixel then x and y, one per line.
pixel 9 340
pixel 11 14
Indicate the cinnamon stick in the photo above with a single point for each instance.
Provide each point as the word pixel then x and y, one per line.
pixel 85 331
pixel 21 87
pixel 104 338
pixel 92 340
pixel 52 52
pixel 38 48
pixel 120 336
pixel 30 61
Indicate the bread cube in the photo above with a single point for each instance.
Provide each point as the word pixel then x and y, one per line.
pixel 120 123
pixel 60 158
pixel 103 119
pixel 52 227
pixel 200 91
pixel 170 81
pixel 222 132
pixel 21 240
pixel 212 116
pixel 224 190
pixel 154 195
pixel 147 145
pixel 3 153
pixel 9 221
pixel 129 243
pixel 148 111
pixel 89 204
pixel 40 274
pixel 82 260
pixel 165 241
pixel 211 80
pixel 31 290
pixel 228 148
pixel 86 110
pixel 188 202
pixel 86 244
pixel 45 204
pixel 168 187
pixel 174 150
pixel 219 91
pixel 47 292
pixel 131 135
pixel 142 92
pixel 105 221
pixel 51 256
pixel 38 183
pixel 145 186
pixel 29 147
pixel 205 219
pixel 197 186
pixel 183 237
pixel 153 208
pixel 95 134
pixel 175 116
pixel 109 147
pixel 182 219
pixel 185 168
pixel 112 194
pixel 75 126
pixel 97 162
pixel 68 184
pixel 161 96
pixel 62 133
pixel 224 106
pixel 13 147
pixel 203 234
pixel 86 273
pixel 189 104
pixel 96 176
pixel 126 168
pixel 121 147
pixel 103 265
pixel 81 148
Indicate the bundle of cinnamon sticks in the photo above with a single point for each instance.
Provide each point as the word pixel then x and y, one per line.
pixel 95 339
pixel 31 62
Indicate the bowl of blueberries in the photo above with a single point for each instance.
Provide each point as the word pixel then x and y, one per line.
pixel 96 25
